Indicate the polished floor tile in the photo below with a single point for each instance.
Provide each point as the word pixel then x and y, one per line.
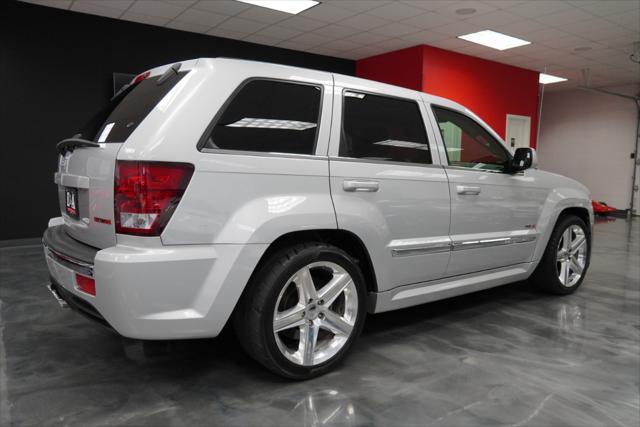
pixel 506 356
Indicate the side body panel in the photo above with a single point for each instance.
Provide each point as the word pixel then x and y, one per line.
pixel 497 227
pixel 237 197
pixel 540 197
pixel 564 193
pixel 494 215
pixel 404 223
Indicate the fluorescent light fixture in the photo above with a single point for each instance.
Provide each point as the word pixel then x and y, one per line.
pixel 494 40
pixel 250 122
pixel 546 79
pixel 354 95
pixel 403 144
pixel 288 6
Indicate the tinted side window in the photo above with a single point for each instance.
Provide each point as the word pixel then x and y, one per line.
pixel 382 128
pixel 468 144
pixel 269 116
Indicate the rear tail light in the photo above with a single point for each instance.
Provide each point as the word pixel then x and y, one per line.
pixel 86 284
pixel 146 194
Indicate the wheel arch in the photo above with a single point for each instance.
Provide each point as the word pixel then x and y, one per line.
pixel 580 212
pixel 343 239
pixel 563 208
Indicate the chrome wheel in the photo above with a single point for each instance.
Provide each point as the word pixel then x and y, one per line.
pixel 571 255
pixel 315 313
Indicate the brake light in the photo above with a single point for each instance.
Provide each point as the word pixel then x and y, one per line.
pixel 146 194
pixel 140 77
pixel 86 284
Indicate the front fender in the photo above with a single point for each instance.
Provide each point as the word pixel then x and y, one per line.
pixel 558 200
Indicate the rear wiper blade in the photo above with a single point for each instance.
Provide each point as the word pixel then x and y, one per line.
pixel 170 72
pixel 70 144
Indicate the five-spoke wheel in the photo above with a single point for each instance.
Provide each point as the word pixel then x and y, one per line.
pixel 571 255
pixel 303 310
pixel 566 258
pixel 315 313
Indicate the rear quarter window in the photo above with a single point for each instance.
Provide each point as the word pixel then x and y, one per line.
pixel 269 116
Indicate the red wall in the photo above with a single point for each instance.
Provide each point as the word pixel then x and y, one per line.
pixel 400 68
pixel 490 89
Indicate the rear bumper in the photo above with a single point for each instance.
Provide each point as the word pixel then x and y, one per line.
pixel 157 292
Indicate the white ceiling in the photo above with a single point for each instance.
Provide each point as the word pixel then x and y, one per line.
pixel 354 29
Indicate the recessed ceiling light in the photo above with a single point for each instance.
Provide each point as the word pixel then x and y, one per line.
pixel 546 79
pixel 466 11
pixel 289 6
pixel 494 40
pixel 582 49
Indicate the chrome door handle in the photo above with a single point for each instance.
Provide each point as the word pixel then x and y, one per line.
pixel 363 186
pixel 466 189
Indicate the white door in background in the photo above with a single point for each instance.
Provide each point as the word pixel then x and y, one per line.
pixel 518 131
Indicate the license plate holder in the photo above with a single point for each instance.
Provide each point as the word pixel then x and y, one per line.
pixel 71 202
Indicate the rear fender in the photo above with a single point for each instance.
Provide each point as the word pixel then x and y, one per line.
pixel 248 208
pixel 265 219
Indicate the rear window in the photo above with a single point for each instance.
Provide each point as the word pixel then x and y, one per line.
pixel 127 109
pixel 269 116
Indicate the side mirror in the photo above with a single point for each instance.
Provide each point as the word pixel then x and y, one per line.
pixel 524 158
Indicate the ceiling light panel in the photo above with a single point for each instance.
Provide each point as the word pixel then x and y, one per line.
pixel 494 40
pixel 288 6
pixel 546 79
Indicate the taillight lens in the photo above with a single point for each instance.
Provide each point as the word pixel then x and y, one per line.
pixel 86 284
pixel 146 194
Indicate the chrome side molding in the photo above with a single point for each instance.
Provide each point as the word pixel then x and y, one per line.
pixel 446 245
pixel 459 245
pixel 435 247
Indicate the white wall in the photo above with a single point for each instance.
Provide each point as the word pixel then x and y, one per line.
pixel 589 136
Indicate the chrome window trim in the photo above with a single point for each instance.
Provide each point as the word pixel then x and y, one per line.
pixel 462 168
pixel 263 154
pixel 383 162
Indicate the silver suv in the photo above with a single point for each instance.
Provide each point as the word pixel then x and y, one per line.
pixel 289 203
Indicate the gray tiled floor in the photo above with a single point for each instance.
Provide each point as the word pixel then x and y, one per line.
pixel 506 356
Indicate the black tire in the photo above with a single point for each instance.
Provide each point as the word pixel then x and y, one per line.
pixel 253 317
pixel 545 277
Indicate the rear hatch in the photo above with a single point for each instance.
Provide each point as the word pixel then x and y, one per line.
pixel 87 161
